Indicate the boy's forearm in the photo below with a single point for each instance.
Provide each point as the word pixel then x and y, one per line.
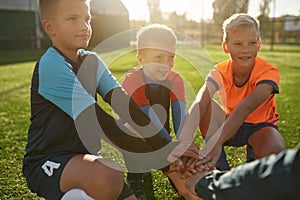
pixel 126 107
pixel 190 124
pixel 133 115
pixel 195 114
pixel 234 122
pixel 178 115
pixel 156 121
pixel 243 110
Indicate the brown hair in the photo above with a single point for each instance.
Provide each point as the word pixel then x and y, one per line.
pixel 47 7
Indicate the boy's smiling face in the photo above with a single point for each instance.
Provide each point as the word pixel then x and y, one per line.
pixel 243 46
pixel 157 63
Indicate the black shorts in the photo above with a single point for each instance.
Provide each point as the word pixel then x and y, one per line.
pixel 245 131
pixel 43 177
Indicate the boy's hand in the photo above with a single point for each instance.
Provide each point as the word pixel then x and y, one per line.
pixel 191 167
pixel 189 150
pixel 211 152
pixel 183 172
pixel 186 156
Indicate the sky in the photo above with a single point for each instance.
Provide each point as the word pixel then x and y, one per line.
pixel 202 9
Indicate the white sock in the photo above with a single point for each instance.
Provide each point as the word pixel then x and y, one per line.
pixel 76 194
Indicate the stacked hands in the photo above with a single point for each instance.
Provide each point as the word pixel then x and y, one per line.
pixel 187 159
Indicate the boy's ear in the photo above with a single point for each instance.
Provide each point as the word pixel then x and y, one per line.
pixel 225 48
pixel 139 58
pixel 258 44
pixel 47 25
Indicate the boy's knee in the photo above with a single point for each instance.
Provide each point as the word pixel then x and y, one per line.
pixel 108 187
pixel 279 147
pixel 114 182
pixel 266 150
pixel 266 141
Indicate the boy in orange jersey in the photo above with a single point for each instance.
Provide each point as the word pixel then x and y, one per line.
pixel 246 85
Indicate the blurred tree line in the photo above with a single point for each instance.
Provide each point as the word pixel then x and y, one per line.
pixel 210 31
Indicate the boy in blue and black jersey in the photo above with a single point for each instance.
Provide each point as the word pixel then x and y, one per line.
pixel 66 121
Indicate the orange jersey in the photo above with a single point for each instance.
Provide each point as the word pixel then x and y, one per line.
pixel 231 95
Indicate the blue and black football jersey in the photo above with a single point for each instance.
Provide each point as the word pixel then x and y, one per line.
pixel 57 98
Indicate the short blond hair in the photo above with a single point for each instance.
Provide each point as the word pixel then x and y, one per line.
pixel 237 21
pixel 156 36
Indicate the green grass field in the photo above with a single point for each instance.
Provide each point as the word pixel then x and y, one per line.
pixel 15 76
